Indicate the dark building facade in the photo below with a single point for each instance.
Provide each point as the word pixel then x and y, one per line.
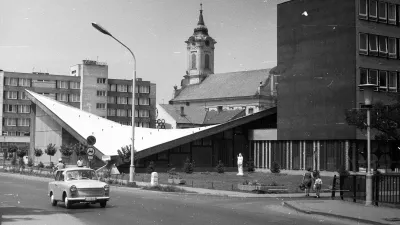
pixel 325 50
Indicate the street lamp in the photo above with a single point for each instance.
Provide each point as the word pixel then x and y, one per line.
pixel 132 166
pixel 368 91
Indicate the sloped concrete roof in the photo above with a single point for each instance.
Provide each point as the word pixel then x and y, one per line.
pixel 110 135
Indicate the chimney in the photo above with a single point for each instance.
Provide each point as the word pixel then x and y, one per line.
pixel 182 111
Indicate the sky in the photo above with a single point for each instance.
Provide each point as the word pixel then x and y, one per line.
pixel 53 35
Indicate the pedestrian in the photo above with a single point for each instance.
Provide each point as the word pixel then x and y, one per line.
pixel 307 181
pixel 318 185
pixel 60 165
pixel 80 162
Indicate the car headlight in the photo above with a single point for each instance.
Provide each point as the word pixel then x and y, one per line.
pixel 73 188
pixel 106 188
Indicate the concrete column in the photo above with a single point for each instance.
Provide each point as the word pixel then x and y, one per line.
pixel 291 155
pixel 304 155
pixel 287 155
pixel 346 157
pixel 269 154
pixel 255 154
pixel 262 155
pixel 301 154
pixel 314 155
pixel 354 155
pixel 318 155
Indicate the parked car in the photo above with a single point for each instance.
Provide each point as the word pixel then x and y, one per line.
pixel 76 185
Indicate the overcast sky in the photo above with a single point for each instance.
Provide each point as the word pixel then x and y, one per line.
pixel 50 36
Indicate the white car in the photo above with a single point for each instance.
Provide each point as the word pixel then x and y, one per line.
pixel 76 185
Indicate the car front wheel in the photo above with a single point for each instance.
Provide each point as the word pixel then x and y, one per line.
pixel 67 203
pixel 103 204
pixel 52 200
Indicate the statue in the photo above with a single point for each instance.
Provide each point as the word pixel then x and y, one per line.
pixel 240 164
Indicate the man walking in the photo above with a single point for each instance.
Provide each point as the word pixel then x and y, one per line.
pixel 60 165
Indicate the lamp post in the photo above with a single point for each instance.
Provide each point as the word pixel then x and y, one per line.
pixel 132 166
pixel 368 91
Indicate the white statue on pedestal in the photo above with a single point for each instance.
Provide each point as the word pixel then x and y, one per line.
pixel 240 164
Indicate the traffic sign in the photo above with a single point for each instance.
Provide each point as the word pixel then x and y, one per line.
pixel 90 157
pixel 91 140
pixel 90 151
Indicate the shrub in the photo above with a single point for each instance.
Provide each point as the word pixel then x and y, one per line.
pixel 79 149
pixel 21 163
pixel 51 165
pixel 167 188
pixel 151 167
pixel 343 172
pixel 50 150
pixel 12 148
pixel 30 162
pixel 250 165
pixel 220 167
pixel 316 173
pixel 171 173
pixel 40 165
pixel 188 166
pixel 14 161
pixel 37 152
pixel 22 152
pixel 275 167
pixel 66 150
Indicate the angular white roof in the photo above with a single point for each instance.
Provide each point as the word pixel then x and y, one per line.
pixel 110 136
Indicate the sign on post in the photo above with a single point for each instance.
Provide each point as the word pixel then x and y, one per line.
pixel 90 157
pixel 90 151
pixel 91 140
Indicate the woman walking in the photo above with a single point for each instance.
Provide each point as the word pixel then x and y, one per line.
pixel 307 181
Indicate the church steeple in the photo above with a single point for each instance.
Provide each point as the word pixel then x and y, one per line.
pixel 200 53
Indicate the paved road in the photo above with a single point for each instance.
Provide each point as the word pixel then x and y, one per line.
pixel 25 202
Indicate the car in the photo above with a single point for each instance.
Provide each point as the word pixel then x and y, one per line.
pixel 78 185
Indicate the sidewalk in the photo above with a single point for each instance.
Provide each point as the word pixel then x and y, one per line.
pixel 347 210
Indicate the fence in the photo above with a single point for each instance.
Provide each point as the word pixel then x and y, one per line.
pixel 385 188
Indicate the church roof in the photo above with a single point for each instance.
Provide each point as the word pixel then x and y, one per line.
pixel 225 85
pixel 199 116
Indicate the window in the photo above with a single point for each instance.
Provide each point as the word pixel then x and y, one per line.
pixel 373 10
pixel 101 93
pixel 144 89
pixel 373 45
pixel 62 84
pixel 363 44
pixel 129 112
pixel 251 111
pixel 111 100
pixel 11 122
pixel 130 101
pixel 101 80
pixel 23 82
pixel 382 12
pixel 383 46
pixel 122 112
pixel 62 97
pixel 122 100
pixel 24 109
pixel 113 87
pixel 144 101
pixel 122 88
pixel 23 122
pixel 146 124
pixel 137 89
pixel 362 11
pixel 74 85
pixel 373 77
pixel 74 98
pixel 363 76
pixel 392 14
pixel 23 96
pixel 12 94
pixel 100 105
pixel 10 108
pixel 111 112
pixel 383 80
pixel 130 88
pixel 393 81
pixel 207 61
pixel 136 113
pixel 193 61
pixel 136 101
pixel 11 81
pixel 392 43
pixel 143 113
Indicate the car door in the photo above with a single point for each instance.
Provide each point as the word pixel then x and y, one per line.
pixel 60 185
pixel 53 185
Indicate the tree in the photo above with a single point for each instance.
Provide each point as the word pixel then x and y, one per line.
pixel 37 152
pixel 51 150
pixel 21 152
pixel 384 118
pixel 66 150
pixel 124 153
pixel 12 148
pixel 79 149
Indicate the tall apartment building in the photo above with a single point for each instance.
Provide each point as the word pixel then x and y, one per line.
pixel 325 50
pixel 87 87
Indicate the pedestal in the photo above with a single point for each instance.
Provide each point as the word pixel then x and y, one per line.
pixel 240 168
pixel 368 189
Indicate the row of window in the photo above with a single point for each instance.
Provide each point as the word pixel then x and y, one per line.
pixel 137 124
pixel 21 122
pixel 379 11
pixel 376 45
pixel 385 80
pixel 17 108
pixel 128 88
pixel 15 95
pixel 127 100
pixel 101 80
pixel 206 61
pixel 62 97
pixel 128 113
pixel 15 133
pixel 25 82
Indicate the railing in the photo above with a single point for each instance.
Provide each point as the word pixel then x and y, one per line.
pixel 385 188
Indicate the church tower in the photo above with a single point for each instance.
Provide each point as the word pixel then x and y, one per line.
pixel 200 54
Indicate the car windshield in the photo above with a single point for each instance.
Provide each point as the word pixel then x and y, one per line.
pixel 81 175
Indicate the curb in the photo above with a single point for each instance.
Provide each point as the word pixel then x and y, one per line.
pixel 288 205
